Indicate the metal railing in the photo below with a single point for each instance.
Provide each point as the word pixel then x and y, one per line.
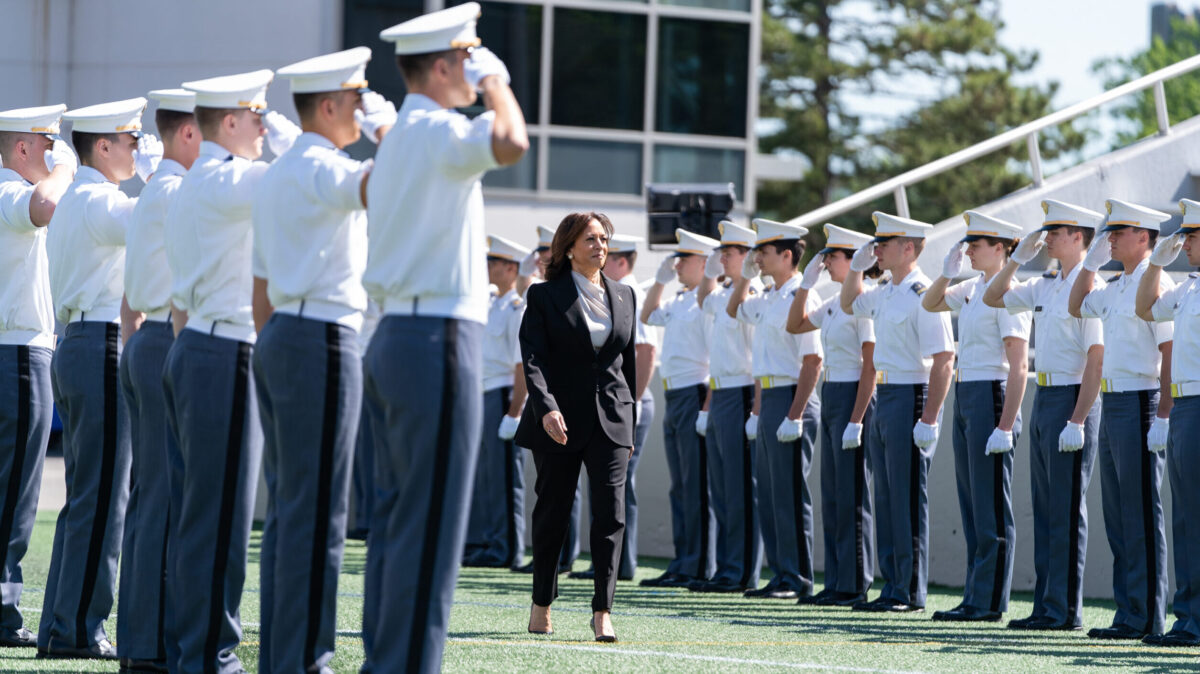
pixel 898 185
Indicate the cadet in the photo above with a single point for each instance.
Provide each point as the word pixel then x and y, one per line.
pixel 1065 422
pixel 993 362
pixel 142 599
pixel 914 359
pixel 362 479
pixel 730 452
pixel 1136 370
pixel 310 250
pixel 86 249
pixel 787 367
pixel 37 168
pixel 427 268
pixel 496 527
pixel 847 406
pixel 684 370
pixel 1180 305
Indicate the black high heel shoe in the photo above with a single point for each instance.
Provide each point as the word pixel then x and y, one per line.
pixel 603 638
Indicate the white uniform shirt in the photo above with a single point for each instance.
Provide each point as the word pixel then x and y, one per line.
pixel 842 337
pixel 730 358
pixel 147 276
pixel 86 247
pixel 501 346
pixel 425 213
pixel 1181 304
pixel 26 307
pixel 310 229
pixel 209 237
pixel 1130 344
pixel 641 333
pixel 906 336
pixel 1061 341
pixel 982 330
pixel 775 351
pixel 686 330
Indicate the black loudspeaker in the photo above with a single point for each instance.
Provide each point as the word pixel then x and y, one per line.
pixel 696 207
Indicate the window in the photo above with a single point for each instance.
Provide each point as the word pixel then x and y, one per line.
pixel 595 166
pixel 362 22
pixel 735 5
pixel 702 70
pixel 514 32
pixel 678 164
pixel 599 76
pixel 521 176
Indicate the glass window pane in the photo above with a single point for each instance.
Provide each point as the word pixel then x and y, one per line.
pixel 514 32
pixel 362 22
pixel 678 164
pixel 702 69
pixel 735 5
pixel 599 71
pixel 595 166
pixel 521 176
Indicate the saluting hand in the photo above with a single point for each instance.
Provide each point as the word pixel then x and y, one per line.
pixel 556 427
pixel 1028 248
pixel 812 273
pixel 864 257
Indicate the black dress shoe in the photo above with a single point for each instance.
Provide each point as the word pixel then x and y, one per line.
pixel 1026 623
pixel 967 614
pixel 18 638
pixel 1173 639
pixel 782 593
pixel 1048 625
pixel 759 592
pixel 564 568
pixel 817 599
pixel 885 605
pixel 142 666
pixel 1116 632
pixel 657 580
pixel 103 650
pixel 524 568
pixel 587 574
pixel 678 580
pixel 723 585
pixel 874 606
pixel 844 599
pixel 621 576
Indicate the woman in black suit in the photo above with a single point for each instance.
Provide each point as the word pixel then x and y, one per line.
pixel 577 347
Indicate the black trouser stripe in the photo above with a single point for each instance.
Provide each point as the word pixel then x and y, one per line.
pixel 997 461
pixel 798 488
pixel 914 487
pixel 1148 531
pixel 160 638
pixel 705 520
pixel 510 495
pixel 1074 580
pixel 24 384
pixel 229 493
pixel 860 481
pixel 108 460
pixel 437 497
pixel 749 540
pixel 320 542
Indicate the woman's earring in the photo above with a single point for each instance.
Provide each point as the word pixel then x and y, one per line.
pixel 570 256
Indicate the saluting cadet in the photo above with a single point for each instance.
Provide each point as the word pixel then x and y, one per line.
pixel 1065 422
pixel 142 600
pixel 36 169
pixel 1182 306
pixel 993 362
pixel 684 370
pixel 787 367
pixel 730 452
pixel 210 394
pixel 1136 370
pixel 847 405
pixel 427 268
pixel 496 527
pixel 310 250
pixel 914 358
pixel 86 249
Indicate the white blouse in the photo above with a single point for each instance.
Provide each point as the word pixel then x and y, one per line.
pixel 595 309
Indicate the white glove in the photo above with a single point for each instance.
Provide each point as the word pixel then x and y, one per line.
pixel 712 266
pixel 750 268
pixel 788 431
pixel 666 271
pixel 146 157
pixel 952 266
pixel 1028 248
pixel 999 442
pixel 1160 432
pixel 508 427
pixel 752 426
pixel 482 64
pixel 852 436
pixel 1099 254
pixel 864 257
pixel 1167 250
pixel 1071 438
pixel 281 132
pixel 702 423
pixel 61 154
pixel 925 434
pixel 529 264
pixel 376 112
pixel 812 273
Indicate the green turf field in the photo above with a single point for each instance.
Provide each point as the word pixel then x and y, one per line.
pixel 672 630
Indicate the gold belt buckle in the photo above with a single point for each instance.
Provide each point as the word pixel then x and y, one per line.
pixel 1106 386
pixel 881 377
pixel 712 383
pixel 1176 391
pixel 1043 378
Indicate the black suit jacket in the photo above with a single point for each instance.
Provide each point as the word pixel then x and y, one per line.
pixel 593 390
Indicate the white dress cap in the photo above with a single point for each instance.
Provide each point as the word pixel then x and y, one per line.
pixel 545 237
pixel 769 230
pixel 1059 213
pixel 980 225
pixel 691 243
pixel 116 117
pixel 624 243
pixel 888 226
pixel 1191 214
pixel 42 119
pixel 733 234
pixel 179 100
pixel 840 238
pixel 245 90
pixel 504 249
pixel 1128 214
pixel 331 72
pixel 452 28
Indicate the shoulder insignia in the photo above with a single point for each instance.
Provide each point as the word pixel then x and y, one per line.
pixel 1114 278
pixel 966 300
pixel 516 302
pixel 753 291
pixel 918 287
pixel 830 311
pixel 728 282
pixel 1050 273
pixel 1038 308
pixel 1194 275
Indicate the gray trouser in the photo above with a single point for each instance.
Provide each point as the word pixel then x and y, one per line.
pixel 1059 483
pixel 308 375
pixel 1182 468
pixel 96 456
pixel 984 494
pixel 213 416
pixel 423 380
pixel 26 411
pixel 784 501
pixel 693 526
pixel 731 481
pixel 362 485
pixel 845 493
pixel 496 527
pixel 1130 479
pixel 141 602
